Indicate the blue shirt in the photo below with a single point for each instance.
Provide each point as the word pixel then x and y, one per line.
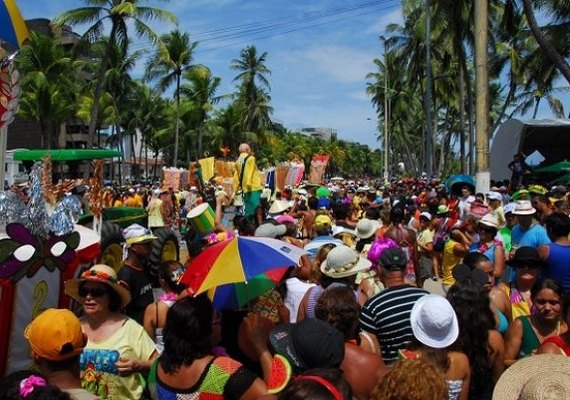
pixel 534 237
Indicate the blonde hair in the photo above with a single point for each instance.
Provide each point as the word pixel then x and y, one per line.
pixel 322 252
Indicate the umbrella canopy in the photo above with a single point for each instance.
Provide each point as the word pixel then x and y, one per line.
pixel 240 259
pixel 563 180
pixel 12 26
pixel 455 182
pixel 562 166
pixel 236 295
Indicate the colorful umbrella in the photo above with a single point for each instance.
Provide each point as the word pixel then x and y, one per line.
pixel 236 295
pixel 12 26
pixel 240 259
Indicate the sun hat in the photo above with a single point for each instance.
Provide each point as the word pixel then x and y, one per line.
pixel 366 228
pixel 311 343
pixel 494 196
pixel 524 207
pixel 56 335
pixel 542 376
pixel 99 273
pixel 136 234
pixel 270 230
pixel 393 259
pixel 426 215
pixel 526 255
pixel 442 209
pixel 509 207
pixel 434 322
pixel 489 220
pixel 322 221
pixel 279 206
pixel 342 261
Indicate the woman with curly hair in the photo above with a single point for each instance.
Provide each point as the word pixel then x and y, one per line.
pixel 362 369
pixel 187 366
pixel 478 339
pixel 416 379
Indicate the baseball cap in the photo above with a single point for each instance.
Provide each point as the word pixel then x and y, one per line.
pixel 393 259
pixel 55 335
pixel 136 234
pixel 494 196
pixel 322 221
pixel 311 343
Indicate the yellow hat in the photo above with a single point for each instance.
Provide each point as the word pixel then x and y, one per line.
pixel 322 221
pixel 56 335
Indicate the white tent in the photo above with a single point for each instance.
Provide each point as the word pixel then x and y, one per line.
pixel 550 137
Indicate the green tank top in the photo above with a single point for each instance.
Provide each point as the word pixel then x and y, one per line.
pixel 530 341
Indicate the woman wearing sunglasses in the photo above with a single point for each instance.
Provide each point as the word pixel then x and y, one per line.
pixel 118 351
pixel 487 229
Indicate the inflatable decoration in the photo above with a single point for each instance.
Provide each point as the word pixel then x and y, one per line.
pixel 41 247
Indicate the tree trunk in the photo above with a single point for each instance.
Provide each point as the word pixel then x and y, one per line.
pixel 549 50
pixel 482 82
pixel 536 104
pixel 177 126
pixel 462 120
pixel 121 149
pixel 99 88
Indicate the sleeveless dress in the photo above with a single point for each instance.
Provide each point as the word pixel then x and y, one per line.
pixel 529 341
pixel 158 331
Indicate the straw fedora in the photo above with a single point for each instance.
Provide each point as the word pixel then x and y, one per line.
pixel 102 274
pixel 524 207
pixel 543 376
pixel 342 261
pixel 279 206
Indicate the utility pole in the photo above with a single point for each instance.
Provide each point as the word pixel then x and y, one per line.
pixel 482 96
pixel 386 175
pixel 428 101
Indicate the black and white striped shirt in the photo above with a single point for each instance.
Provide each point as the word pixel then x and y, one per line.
pixel 387 315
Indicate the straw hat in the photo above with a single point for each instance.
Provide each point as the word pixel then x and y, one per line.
pixel 489 220
pixel 279 206
pixel 342 261
pixel 99 273
pixel 524 207
pixel 539 377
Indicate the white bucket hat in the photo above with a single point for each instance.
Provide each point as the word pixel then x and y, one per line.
pixel 366 228
pixel 434 322
pixel 342 261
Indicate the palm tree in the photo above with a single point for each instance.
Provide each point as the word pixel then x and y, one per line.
pixel 253 88
pixel 48 87
pixel 201 91
pixel 119 14
pixel 167 65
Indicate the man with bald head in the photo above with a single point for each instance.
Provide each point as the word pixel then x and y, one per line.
pixel 247 180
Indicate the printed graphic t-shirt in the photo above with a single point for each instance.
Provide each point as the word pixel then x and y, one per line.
pixel 100 376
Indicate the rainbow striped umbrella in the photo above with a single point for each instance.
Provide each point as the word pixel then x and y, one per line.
pixel 240 268
pixel 13 29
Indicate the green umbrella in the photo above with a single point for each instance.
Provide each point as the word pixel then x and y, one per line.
pixel 562 166
pixel 563 180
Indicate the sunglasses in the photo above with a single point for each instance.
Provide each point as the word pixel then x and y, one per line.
pixel 94 292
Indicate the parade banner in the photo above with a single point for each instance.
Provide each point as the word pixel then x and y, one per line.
pixel 318 167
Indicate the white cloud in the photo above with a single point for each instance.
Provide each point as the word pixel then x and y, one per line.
pixel 379 26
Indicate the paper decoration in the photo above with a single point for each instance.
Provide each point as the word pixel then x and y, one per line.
pixel 9 92
pixel 174 178
pixel 318 167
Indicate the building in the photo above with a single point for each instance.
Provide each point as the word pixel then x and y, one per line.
pixel 320 133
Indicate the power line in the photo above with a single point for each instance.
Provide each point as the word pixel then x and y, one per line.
pixel 253 30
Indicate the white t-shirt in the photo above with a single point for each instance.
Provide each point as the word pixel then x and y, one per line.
pixel 296 290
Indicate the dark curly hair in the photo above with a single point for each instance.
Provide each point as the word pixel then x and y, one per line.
pixel 338 306
pixel 10 388
pixel 471 303
pixel 187 332
pixel 308 389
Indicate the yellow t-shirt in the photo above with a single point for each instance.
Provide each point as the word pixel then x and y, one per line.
pixel 251 179
pixel 99 374
pixel 449 262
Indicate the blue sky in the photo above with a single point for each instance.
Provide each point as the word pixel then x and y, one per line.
pixel 318 67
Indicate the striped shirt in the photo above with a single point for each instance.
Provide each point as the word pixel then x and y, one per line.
pixel 387 315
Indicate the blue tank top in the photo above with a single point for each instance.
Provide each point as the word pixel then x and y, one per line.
pixel 557 266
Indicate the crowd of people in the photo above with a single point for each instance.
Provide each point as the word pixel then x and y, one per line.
pixel 407 290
